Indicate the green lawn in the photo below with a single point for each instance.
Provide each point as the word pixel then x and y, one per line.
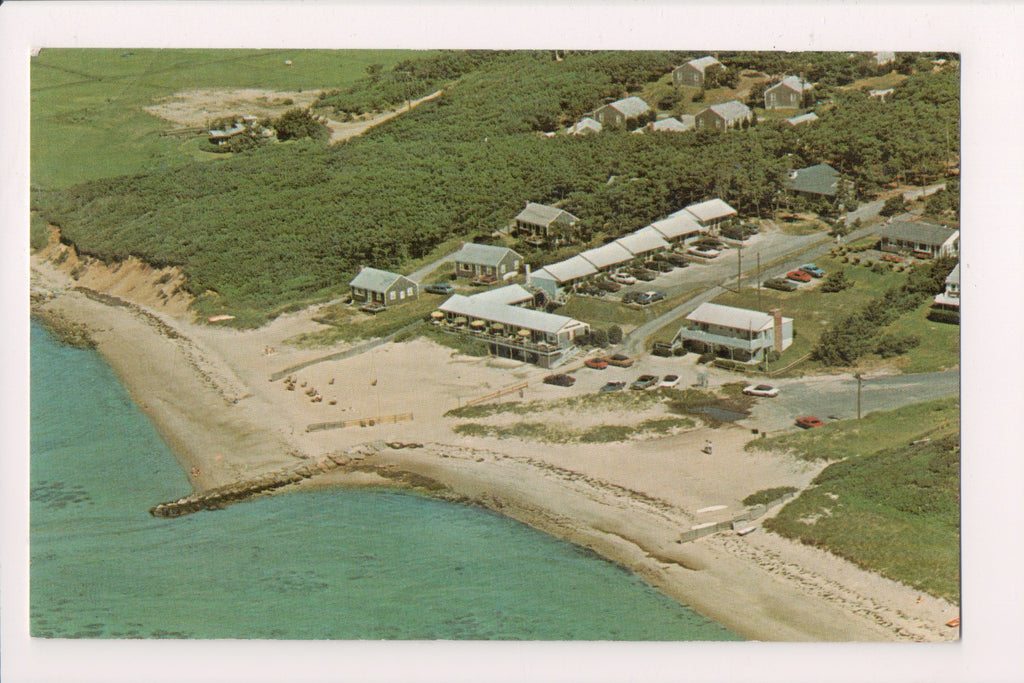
pixel 605 312
pixel 87 117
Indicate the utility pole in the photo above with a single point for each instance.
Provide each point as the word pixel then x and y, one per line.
pixel 859 380
pixel 758 283
pixel 739 269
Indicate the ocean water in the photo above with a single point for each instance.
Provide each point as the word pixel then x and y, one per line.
pixel 329 564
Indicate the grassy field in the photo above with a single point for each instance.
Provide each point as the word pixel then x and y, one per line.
pixel 87 116
pixel 603 312
pixel 895 511
pixel 801 226
pixel 877 82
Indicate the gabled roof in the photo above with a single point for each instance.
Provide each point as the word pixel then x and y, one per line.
pixel 607 255
pixel 516 316
pixel 227 133
pixel 585 125
pixel 672 125
pixel 375 280
pixel 643 241
pixel 794 83
pixel 881 92
pixel 820 179
pixel 803 118
pixel 569 269
pixel 541 214
pixel 678 224
pixel 508 295
pixel 916 231
pixel 482 254
pixel 711 210
pixel 954 276
pixel 703 63
pixel 728 316
pixel 630 106
pixel 730 111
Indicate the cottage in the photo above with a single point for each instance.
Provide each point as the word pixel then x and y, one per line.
pixel 787 94
pixel 585 126
pixel 950 299
pixel 723 116
pixel 514 332
pixel 486 262
pixel 671 125
pixel 608 257
pixel 695 71
pixel 736 333
pixel 375 289
pixel 712 215
pixel 643 243
pixel 620 113
pixel 820 181
pixel 557 279
pixel 881 94
pixel 539 224
pixel 882 58
pixel 920 239
pixel 219 137
pixel 677 227
pixel 809 117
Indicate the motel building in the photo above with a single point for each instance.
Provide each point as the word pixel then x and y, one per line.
pixel 738 334
pixel 511 330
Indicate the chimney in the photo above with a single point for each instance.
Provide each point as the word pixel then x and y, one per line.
pixel 777 328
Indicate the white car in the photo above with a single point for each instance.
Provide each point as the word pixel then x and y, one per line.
pixel 669 382
pixel 622 278
pixel 761 390
pixel 703 252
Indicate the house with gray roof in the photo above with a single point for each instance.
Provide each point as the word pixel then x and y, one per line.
pixel 375 289
pixel 671 125
pixel 882 94
pixel 545 339
pixel 695 70
pixel 486 262
pixel 787 93
pixel 541 224
pixel 711 215
pixel 620 113
pixel 584 126
pixel 919 239
pixel 736 333
pixel 820 180
pixel 724 116
pixel 882 58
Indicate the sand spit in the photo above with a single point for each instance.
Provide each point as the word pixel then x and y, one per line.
pixel 207 391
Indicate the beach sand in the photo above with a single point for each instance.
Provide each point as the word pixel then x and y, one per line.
pixel 208 391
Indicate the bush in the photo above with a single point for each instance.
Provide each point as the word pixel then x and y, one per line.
pixel 836 281
pixel 599 337
pixel 892 345
pixel 706 357
pixel 893 206
pixel 614 335
pixel 699 97
pixel 940 315
pixel 880 268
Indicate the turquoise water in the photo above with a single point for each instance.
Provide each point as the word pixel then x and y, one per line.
pixel 330 564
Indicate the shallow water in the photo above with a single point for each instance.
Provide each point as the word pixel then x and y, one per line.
pixel 326 564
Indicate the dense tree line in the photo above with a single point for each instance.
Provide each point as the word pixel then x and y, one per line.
pixel 288 222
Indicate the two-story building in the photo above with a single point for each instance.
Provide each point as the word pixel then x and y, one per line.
pixel 695 71
pixel 724 116
pixel 376 289
pixel 736 333
pixel 787 93
pixel 486 262
pixel 950 299
pixel 920 239
pixel 541 224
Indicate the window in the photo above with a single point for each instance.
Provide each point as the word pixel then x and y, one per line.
pixel 409 291
pixel 392 296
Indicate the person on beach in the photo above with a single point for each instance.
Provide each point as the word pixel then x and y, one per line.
pixel 707 446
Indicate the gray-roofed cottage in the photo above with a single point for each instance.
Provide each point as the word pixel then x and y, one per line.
pixel 787 94
pixel 486 261
pixel 542 224
pixel 695 71
pixel 920 239
pixel 621 112
pixel 723 116
pixel 821 180
pixel 379 288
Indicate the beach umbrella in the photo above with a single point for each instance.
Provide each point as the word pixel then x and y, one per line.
pixel 437 315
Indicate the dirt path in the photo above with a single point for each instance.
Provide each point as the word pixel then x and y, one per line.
pixel 344 131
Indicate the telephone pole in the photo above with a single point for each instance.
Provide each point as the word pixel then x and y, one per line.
pixel 860 378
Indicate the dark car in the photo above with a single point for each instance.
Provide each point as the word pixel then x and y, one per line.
pixel 648 298
pixel 614 386
pixel 780 284
pixel 608 285
pixel 677 260
pixel 560 380
pixel 643 274
pixel 662 266
pixel 630 297
pixel 439 288
pixel 644 382
pixel 809 422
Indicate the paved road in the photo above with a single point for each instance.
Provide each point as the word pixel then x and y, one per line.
pixel 836 396
pixel 417 276
pixel 872 209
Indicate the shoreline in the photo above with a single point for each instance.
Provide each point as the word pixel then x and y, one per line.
pixel 221 418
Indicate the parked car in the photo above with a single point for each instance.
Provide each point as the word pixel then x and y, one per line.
pixel 614 386
pixel 644 382
pixel 483 280
pixel 622 278
pixel 798 276
pixel 703 252
pixel 596 363
pixel 648 298
pixel 661 266
pixel 607 285
pixel 780 284
pixel 812 270
pixel 439 288
pixel 631 297
pixel 669 381
pixel 677 260
pixel 560 380
pixel 619 360
pixel 761 390
pixel 809 422
pixel 643 274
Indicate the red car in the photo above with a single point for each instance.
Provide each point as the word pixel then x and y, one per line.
pixel 799 276
pixel 596 363
pixel 809 422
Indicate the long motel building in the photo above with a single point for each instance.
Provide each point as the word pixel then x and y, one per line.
pixel 502 319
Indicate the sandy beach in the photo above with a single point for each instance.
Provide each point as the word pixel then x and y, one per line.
pixel 210 394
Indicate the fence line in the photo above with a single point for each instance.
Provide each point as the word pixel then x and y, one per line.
pixel 738 522
pixel 496 394
pixel 359 422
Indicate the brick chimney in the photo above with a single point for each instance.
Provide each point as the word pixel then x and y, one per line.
pixel 777 328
